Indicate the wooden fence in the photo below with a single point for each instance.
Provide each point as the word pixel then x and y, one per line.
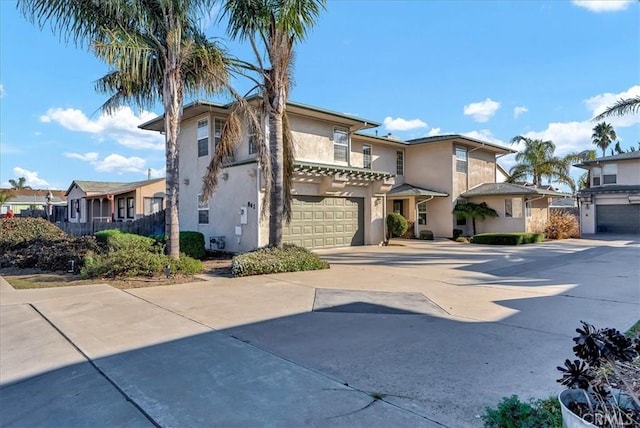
pixel 149 225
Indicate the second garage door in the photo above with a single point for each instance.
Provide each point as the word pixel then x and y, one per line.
pixel 618 219
pixel 319 222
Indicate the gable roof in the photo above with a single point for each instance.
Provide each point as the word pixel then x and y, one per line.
pixel 33 196
pixel 462 139
pixel 407 189
pixel 104 187
pixel 613 158
pixel 498 189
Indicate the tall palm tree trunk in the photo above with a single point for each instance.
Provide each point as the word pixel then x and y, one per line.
pixel 276 144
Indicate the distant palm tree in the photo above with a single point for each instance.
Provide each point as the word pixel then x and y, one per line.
pixel 621 108
pixel 603 135
pixel 19 184
pixel 277 25
pixel 5 195
pixel 157 51
pixel 538 160
pixel 473 212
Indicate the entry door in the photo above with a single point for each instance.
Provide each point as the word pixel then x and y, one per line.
pixel 398 207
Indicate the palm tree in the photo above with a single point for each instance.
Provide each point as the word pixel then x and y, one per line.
pixel 278 25
pixel 473 212
pixel 156 51
pixel 538 160
pixel 622 107
pixel 5 195
pixel 603 135
pixel 19 184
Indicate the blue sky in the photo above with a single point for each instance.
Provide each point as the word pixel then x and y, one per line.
pixel 487 69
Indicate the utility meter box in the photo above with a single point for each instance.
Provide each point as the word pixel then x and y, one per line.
pixel 243 215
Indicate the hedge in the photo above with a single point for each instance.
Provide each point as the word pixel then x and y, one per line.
pixel 397 225
pixel 507 238
pixel 289 258
pixel 192 244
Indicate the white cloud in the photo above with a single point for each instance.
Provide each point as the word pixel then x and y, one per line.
pixel 120 164
pixel 486 135
pixel 598 103
pixel 87 157
pixel 603 5
pixel 518 111
pixel 482 111
pixel 567 136
pixel 400 124
pixel 158 173
pixel 434 131
pixel 121 126
pixel 31 178
pixel 2 91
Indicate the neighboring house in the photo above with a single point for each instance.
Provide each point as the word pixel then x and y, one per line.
pixel 502 174
pixel 520 208
pixel 611 203
pixel 345 181
pixel 36 203
pixel 99 201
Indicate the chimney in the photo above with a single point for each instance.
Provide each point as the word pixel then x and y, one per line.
pixel 149 174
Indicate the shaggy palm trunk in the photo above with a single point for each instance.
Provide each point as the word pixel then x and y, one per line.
pixel 277 99
pixel 172 99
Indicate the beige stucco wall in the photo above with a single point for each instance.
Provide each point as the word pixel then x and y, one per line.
pixel 312 139
pixel 629 172
pixel 429 166
pixel 499 224
pixel 482 167
pixel 539 214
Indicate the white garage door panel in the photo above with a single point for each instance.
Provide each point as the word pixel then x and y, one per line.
pixel 319 222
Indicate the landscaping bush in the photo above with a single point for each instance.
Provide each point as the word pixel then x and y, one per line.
pixel 426 235
pixel 507 238
pixel 457 233
pixel 562 225
pixel 15 232
pixel 513 413
pixel 192 244
pixel 409 233
pixel 140 262
pixel 130 242
pixel 103 236
pixel 186 265
pixel 396 224
pixel 289 258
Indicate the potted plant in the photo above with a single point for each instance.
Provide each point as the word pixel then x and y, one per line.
pixel 600 381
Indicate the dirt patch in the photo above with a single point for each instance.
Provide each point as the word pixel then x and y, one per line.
pixel 217 263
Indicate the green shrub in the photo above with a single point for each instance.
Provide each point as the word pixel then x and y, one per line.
pixel 186 265
pixel 426 235
pixel 507 238
pixel 122 264
pixel 16 232
pixel 396 224
pixel 513 413
pixel 289 258
pixel 130 242
pixel 457 233
pixel 103 236
pixel 192 244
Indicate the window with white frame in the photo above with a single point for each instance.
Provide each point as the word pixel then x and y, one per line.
pixel 203 210
pixel 340 145
pixel 461 159
pixel 131 209
pixel 152 205
pixel 203 138
pixel 596 176
pixel 218 124
pixel 253 139
pixel 366 156
pixel 513 207
pixel 422 213
pixel 399 162
pixel 527 207
pixel 121 207
pixel 610 173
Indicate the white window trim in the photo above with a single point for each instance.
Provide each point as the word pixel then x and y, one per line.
pixel 459 159
pixel 208 136
pixel 346 145
pixel 403 162
pixel 202 206
pixel 370 156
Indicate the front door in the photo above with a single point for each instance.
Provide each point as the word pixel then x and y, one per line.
pixel 398 207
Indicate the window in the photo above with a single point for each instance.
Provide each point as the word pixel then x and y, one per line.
pixel 203 210
pixel 596 175
pixel 366 156
pixel 253 140
pixel 152 205
pixel 121 202
pixel 131 210
pixel 461 159
pixel 609 173
pixel 340 145
pixel 513 207
pixel 203 138
pixel 527 208
pixel 73 208
pixel 399 162
pixel 422 213
pixel 461 221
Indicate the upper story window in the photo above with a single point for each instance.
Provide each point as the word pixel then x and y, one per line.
pixel 366 156
pixel 610 173
pixel 513 207
pixel 596 176
pixel 203 210
pixel 203 137
pixel 399 162
pixel 253 140
pixel 461 159
pixel 340 145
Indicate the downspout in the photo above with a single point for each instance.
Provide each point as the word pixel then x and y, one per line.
pixel 415 224
pixel 530 207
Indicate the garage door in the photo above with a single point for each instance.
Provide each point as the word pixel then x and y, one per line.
pixel 319 222
pixel 618 219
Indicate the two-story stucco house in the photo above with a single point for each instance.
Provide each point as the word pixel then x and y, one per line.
pixel 345 181
pixel 611 203
pixel 100 201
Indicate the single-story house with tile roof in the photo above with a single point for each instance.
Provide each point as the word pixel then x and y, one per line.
pixel 611 203
pixel 36 203
pixel 520 208
pixel 101 201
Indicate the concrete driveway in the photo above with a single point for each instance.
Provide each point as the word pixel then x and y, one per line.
pixel 440 330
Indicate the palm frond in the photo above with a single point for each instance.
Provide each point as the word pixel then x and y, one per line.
pixel 622 107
